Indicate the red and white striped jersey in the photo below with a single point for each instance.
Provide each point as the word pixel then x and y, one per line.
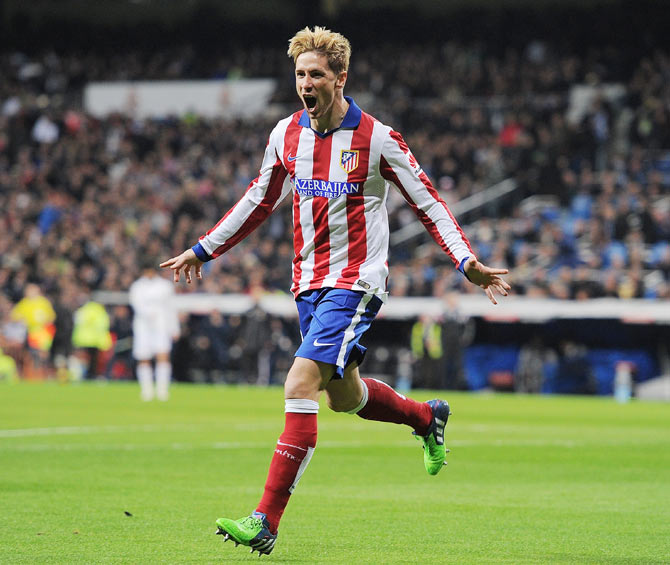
pixel 340 182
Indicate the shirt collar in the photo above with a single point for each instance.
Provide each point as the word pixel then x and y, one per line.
pixel 351 119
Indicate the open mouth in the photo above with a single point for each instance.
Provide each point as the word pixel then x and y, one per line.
pixel 310 101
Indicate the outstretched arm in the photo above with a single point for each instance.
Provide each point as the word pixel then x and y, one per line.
pixel 184 261
pixel 261 198
pixel 486 277
pixel 399 167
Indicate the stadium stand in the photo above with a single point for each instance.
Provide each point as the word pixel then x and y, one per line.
pixel 584 137
pixel 592 206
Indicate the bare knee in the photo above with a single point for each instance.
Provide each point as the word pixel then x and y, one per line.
pixel 299 388
pixel 305 379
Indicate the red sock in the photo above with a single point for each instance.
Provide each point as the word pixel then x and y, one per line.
pixel 292 454
pixel 386 405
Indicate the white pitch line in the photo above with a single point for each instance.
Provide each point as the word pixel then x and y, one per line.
pixel 86 430
pixel 42 447
pixel 154 428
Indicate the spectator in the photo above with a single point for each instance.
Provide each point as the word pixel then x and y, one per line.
pixel 61 350
pixel 83 197
pixel 531 367
pixel 120 364
pixel 256 343
pixel 574 372
pixel 8 369
pixel 36 313
pixel 457 333
pixel 426 342
pixel 91 335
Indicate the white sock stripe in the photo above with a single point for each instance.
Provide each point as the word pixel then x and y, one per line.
pixel 301 469
pixel 289 445
pixel 389 386
pixel 364 400
pixel 301 406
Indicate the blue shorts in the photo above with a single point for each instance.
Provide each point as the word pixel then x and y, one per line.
pixel 332 321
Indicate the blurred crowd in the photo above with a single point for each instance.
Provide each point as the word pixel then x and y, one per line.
pixel 84 200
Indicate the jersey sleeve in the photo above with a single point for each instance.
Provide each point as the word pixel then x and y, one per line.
pixel 262 196
pixel 399 167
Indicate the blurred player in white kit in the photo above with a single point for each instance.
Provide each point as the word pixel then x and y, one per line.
pixel 155 327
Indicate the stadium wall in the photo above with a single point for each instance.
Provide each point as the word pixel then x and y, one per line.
pixel 584 341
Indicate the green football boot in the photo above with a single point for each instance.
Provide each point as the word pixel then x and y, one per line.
pixel 252 531
pixel 434 451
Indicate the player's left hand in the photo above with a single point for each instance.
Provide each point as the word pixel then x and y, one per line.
pixel 184 261
pixel 487 278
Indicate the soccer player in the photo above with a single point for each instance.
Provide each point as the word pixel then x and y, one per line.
pixel 155 327
pixel 339 162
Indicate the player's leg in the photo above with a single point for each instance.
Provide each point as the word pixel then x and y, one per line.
pixel 160 343
pixel 293 451
pixel 146 380
pixel 374 400
pixel 163 375
pixel 304 383
pixel 143 354
pixel 347 392
pixel 331 322
pixel 341 319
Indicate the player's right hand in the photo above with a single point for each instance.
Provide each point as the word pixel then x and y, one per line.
pixel 184 261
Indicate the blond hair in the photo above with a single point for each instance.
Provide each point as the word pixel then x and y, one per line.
pixel 333 45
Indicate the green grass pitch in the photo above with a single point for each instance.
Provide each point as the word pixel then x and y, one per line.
pixel 529 480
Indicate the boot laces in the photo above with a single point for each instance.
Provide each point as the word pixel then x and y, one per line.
pixel 252 523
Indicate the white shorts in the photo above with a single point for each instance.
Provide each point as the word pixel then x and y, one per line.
pixel 148 342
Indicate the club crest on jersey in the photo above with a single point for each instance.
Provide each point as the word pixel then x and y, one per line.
pixel 349 159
